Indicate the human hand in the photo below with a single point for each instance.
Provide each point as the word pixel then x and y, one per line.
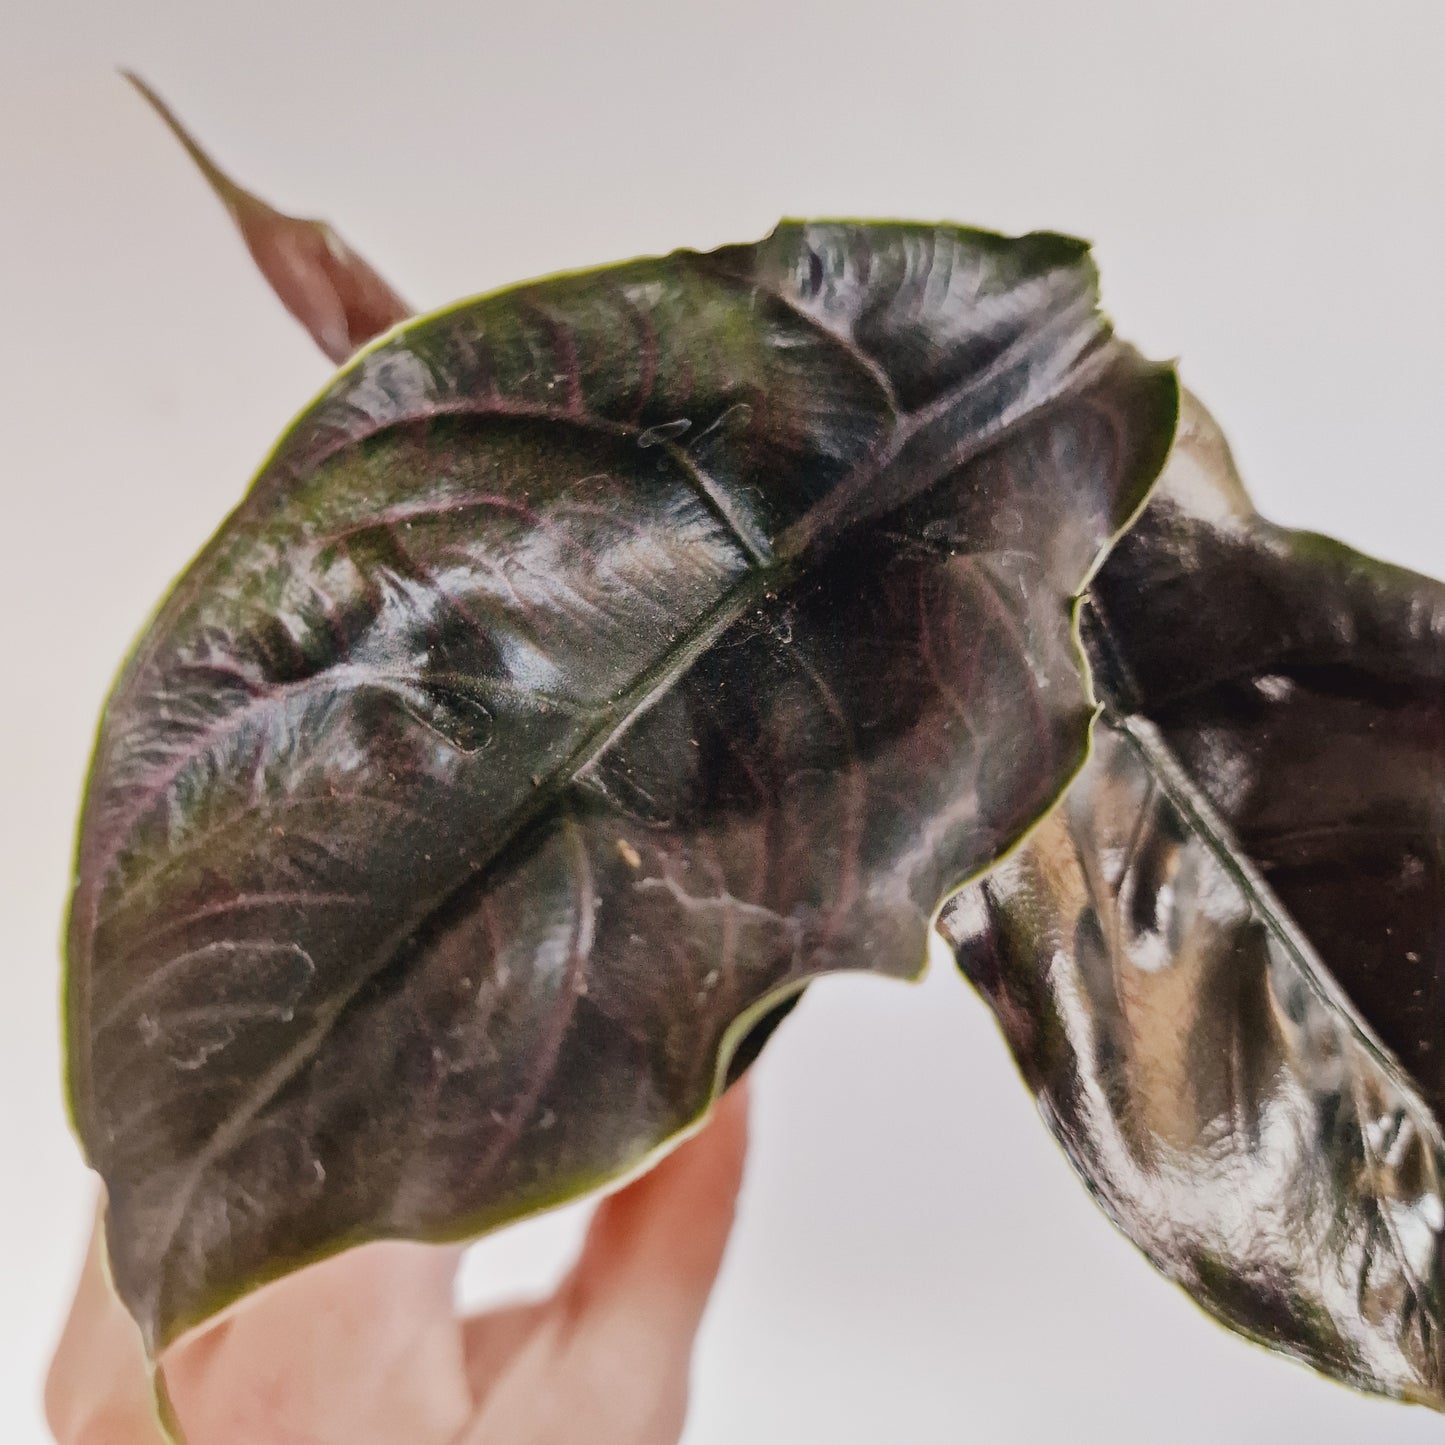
pixel 367 1349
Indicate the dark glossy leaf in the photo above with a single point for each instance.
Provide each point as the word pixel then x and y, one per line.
pixel 1302 687
pixel 1196 957
pixel 319 279
pixel 589 668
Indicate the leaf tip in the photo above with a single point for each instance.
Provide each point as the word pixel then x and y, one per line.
pixel 340 300
pixel 224 187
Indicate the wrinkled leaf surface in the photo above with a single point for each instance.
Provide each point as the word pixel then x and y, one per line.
pixel 589 668
pixel 1197 957
pixel 1302 686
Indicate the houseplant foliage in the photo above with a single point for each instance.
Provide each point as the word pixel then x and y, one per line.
pixel 595 664
pixel 1217 961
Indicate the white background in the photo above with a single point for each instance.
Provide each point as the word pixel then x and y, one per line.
pixel 1263 179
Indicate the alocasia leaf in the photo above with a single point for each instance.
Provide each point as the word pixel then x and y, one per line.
pixel 590 667
pixel 1219 962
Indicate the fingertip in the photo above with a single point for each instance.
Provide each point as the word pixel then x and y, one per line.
pixel 708 1162
pixel 664 1235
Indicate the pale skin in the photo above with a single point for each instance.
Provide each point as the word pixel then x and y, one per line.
pixel 367 1349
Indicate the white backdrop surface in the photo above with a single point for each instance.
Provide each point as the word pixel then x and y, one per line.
pixel 1265 182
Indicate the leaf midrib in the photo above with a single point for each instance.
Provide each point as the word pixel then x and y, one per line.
pixel 802 540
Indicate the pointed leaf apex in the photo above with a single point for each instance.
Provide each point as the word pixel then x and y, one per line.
pixel 321 281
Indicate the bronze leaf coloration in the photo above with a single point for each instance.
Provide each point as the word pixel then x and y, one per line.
pixel 1218 962
pixel 591 666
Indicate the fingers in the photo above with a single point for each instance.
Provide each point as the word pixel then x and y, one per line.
pixel 608 1363
pixel 491 1342
pixel 655 1247
pixel 98 1391
pixel 358 1349
pixel 365 1349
